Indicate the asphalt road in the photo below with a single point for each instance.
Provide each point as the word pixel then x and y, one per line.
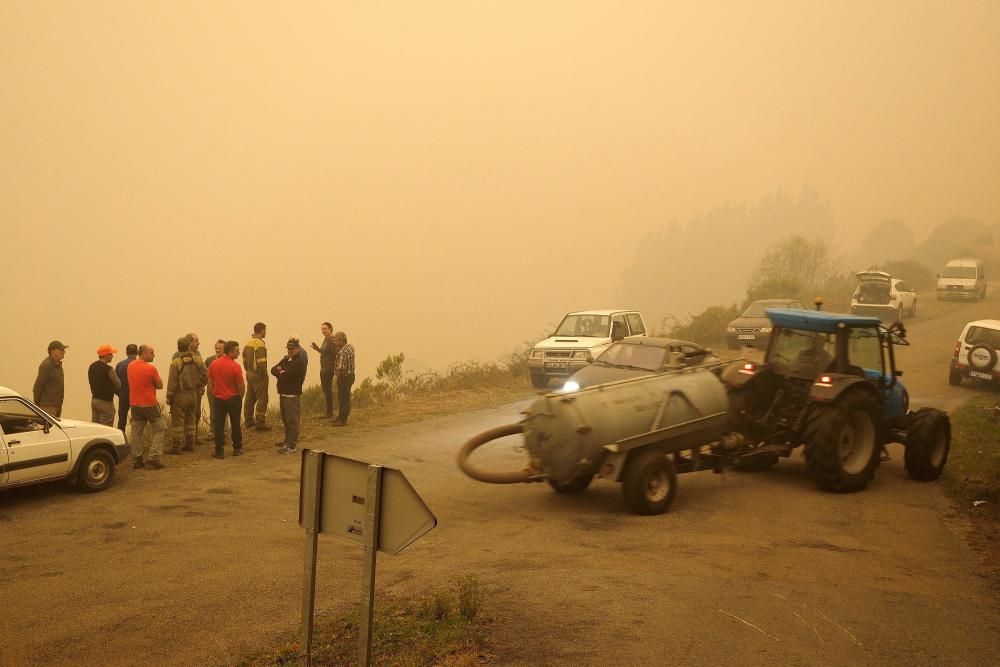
pixel 202 562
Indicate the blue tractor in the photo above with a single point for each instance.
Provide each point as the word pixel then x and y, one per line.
pixel 829 382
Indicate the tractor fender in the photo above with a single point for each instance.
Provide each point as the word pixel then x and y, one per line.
pixel 827 392
pixel 740 373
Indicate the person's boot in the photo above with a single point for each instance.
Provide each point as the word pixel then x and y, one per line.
pixel 138 463
pixel 189 441
pixel 155 463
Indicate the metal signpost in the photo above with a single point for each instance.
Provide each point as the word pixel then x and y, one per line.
pixel 364 503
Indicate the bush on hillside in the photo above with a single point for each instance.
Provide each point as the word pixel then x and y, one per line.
pixel 707 327
pixel 913 272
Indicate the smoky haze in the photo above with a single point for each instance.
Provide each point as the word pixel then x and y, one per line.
pixel 446 179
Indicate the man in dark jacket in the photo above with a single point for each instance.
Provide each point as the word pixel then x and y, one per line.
pixel 50 385
pixel 104 384
pixel 291 373
pixel 121 370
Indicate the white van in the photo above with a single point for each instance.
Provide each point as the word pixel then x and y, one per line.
pixel 962 279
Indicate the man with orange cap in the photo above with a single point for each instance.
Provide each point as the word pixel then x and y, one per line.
pixel 104 384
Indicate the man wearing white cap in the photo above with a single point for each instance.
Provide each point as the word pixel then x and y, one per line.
pixel 104 384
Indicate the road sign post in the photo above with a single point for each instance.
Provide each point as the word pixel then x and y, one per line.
pixel 368 504
pixel 312 487
pixel 373 502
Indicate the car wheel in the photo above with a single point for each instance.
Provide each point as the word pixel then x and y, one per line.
pixel 97 470
pixel 954 375
pixel 539 380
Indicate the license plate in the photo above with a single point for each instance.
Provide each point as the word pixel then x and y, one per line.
pixel 980 375
pixel 555 364
pixel 745 337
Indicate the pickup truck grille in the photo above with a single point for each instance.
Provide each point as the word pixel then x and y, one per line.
pixel 558 354
pixel 748 330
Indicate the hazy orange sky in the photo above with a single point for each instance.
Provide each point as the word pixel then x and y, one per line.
pixel 445 178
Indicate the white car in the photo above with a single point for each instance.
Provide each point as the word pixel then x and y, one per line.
pixel 580 338
pixel 976 353
pixel 880 295
pixel 36 447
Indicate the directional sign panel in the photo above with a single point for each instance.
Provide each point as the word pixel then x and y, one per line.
pixel 404 517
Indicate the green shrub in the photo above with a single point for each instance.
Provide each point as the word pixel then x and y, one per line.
pixel 913 272
pixel 707 327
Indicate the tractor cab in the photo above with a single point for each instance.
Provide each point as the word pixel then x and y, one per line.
pixel 832 351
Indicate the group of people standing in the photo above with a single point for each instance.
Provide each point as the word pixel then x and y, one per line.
pixel 135 381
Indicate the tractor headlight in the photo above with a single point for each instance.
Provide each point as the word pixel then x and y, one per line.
pixel 571 385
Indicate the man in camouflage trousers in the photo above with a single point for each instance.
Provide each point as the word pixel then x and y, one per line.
pixel 187 379
pixel 255 365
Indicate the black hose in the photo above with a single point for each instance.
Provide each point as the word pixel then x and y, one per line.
pixel 511 477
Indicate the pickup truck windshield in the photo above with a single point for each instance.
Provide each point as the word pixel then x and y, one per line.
pixel 598 326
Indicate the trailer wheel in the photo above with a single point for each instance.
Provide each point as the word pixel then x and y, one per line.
pixel 575 485
pixel 928 443
pixel 539 380
pixel 649 483
pixel 842 443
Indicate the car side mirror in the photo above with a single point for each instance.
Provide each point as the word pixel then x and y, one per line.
pixel 46 428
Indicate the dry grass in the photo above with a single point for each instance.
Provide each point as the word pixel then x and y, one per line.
pixel 444 627
pixel 972 475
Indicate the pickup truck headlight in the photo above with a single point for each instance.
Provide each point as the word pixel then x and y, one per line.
pixel 730 329
pixel 765 329
pixel 537 354
pixel 581 354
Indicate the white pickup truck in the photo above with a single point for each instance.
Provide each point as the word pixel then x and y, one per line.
pixel 579 339
pixel 36 447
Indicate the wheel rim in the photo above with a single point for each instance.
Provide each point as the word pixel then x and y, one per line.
pixel 97 471
pixel 657 486
pixel 856 443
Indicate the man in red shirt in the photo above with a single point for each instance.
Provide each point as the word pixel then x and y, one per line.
pixel 143 381
pixel 226 389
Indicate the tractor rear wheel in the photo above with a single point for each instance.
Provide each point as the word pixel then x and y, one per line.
pixel 928 441
pixel 842 443
pixel 649 483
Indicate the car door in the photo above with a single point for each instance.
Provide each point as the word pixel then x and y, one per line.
pixel 910 294
pixel 3 460
pixel 36 447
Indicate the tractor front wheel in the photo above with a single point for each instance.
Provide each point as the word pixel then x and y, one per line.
pixel 928 441
pixel 842 443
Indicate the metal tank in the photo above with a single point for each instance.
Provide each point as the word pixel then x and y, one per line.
pixel 621 431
